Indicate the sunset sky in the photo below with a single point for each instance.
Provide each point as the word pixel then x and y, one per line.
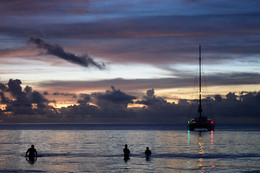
pixel 66 50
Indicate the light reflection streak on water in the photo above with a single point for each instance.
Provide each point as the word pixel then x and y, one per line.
pixel 188 135
pixel 212 140
pixel 189 166
pixel 188 162
pixel 201 163
pixel 201 145
pixel 201 152
pixel 212 146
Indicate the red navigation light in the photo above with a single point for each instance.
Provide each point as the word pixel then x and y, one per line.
pixel 212 122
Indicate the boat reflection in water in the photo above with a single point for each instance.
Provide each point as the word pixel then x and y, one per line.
pixel 202 163
pixel 202 153
pixel 201 122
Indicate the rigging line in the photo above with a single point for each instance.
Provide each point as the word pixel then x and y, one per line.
pixel 208 103
pixel 200 106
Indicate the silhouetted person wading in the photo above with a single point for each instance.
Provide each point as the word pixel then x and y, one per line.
pixel 126 152
pixel 32 153
pixel 147 153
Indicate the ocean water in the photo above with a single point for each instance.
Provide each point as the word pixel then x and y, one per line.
pixel 98 148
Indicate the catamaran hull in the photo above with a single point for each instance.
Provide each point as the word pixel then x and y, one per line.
pixel 209 125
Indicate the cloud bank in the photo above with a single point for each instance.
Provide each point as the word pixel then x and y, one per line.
pixel 27 105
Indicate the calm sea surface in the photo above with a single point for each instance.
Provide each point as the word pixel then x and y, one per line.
pixel 98 148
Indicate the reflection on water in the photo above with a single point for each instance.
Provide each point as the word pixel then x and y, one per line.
pixel 201 152
pixel 102 150
pixel 199 142
pixel 31 160
pixel 212 146
pixel 212 140
pixel 188 134
pixel 201 164
pixel 188 140
pixel 201 147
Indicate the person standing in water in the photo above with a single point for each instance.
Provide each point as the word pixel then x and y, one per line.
pixel 147 153
pixel 32 153
pixel 126 153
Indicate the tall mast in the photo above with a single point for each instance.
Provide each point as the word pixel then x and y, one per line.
pixel 200 108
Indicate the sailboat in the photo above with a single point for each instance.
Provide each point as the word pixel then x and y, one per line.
pixel 201 121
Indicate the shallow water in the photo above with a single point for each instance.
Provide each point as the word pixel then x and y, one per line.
pixel 98 148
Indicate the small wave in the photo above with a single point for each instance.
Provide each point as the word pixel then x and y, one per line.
pixel 19 170
pixel 65 155
pixel 207 156
pixel 170 155
pixel 252 171
pixel 76 155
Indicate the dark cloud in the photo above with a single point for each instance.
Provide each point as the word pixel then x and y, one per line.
pixel 2 87
pixel 37 7
pixel 4 100
pixel 28 90
pixel 84 60
pixel 85 99
pixel 151 100
pixel 115 96
pixel 218 98
pixel 114 99
pixel 237 107
pixel 15 87
pixel 73 95
pixel 184 80
pixel 45 93
pixel 38 99
pixel 22 102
